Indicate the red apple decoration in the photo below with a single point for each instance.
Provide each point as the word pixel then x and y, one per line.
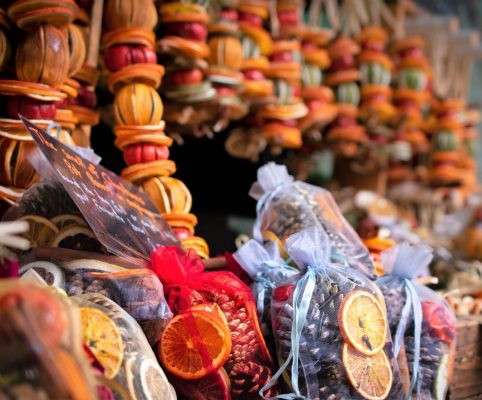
pixel 229 15
pixel 341 63
pixel 189 30
pixel 187 76
pixel 282 56
pixel 118 57
pixel 288 17
pixel 253 19
pixel 253 75
pixel 86 98
pixel 30 108
pixel 145 152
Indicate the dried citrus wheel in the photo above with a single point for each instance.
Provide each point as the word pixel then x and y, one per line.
pixel 61 221
pixel 362 322
pixel 76 237
pixel 371 376
pixel 41 230
pixel 102 336
pixel 194 344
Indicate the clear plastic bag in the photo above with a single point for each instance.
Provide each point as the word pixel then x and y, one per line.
pixel 266 268
pixel 286 206
pixel 138 291
pixel 40 343
pixel 249 365
pixel 330 328
pixel 421 322
pixel 119 345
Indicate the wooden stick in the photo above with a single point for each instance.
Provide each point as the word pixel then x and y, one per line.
pixel 95 32
pixel 215 263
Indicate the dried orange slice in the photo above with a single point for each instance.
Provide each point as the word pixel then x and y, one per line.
pixel 362 322
pixel 194 344
pixel 61 221
pixel 41 230
pixel 75 237
pixel 371 376
pixel 102 336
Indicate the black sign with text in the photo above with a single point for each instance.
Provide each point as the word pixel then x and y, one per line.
pixel 122 216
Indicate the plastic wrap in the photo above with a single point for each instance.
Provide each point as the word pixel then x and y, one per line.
pixel 119 345
pixel 330 328
pixel 286 206
pixel 249 365
pixel 40 344
pixel 421 322
pixel 138 291
pixel 266 268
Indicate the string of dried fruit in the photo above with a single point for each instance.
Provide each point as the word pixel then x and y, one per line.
pixel 133 76
pixel 190 97
pixel 33 83
pixel 86 75
pixel 317 97
pixel 225 61
pixel 469 139
pixel 247 140
pixel 280 119
pixel 446 151
pixel 375 70
pixel 345 134
pixel 409 148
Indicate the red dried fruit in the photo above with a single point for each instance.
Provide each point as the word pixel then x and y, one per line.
pixel 440 321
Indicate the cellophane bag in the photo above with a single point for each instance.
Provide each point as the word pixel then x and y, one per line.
pixel 421 322
pixel 137 290
pixel 266 268
pixel 249 366
pixel 118 343
pixel 330 328
pixel 286 206
pixel 40 346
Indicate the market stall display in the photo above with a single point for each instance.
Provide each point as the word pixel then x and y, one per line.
pixel 333 296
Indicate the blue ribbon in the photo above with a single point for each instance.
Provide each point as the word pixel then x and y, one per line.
pixel 301 303
pixel 411 304
pixel 54 125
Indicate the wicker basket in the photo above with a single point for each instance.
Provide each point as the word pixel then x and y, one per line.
pixel 467 379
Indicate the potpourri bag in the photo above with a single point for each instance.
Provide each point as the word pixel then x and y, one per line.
pixel 137 290
pixel 119 345
pixel 41 347
pixel 286 206
pixel 266 267
pixel 330 327
pixel 187 284
pixel 421 322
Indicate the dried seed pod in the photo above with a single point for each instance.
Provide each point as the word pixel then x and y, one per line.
pixel 137 104
pixel 43 57
pixel 130 14
pixel 77 50
pixel 16 170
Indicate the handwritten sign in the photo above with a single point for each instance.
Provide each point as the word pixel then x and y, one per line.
pixel 121 215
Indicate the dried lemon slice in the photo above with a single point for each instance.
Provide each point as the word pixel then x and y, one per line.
pixel 102 336
pixel 41 230
pixel 371 376
pixel 362 322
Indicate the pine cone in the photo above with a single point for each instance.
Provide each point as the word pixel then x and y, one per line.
pixel 247 379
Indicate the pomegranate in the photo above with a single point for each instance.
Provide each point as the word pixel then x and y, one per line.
pixel 253 75
pixel 253 19
pixel 145 152
pixel 187 76
pixel 346 61
pixel 189 30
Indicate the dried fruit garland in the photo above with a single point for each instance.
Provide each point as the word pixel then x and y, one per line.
pixel 35 82
pixel 133 76
pixel 345 134
pixel 190 97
